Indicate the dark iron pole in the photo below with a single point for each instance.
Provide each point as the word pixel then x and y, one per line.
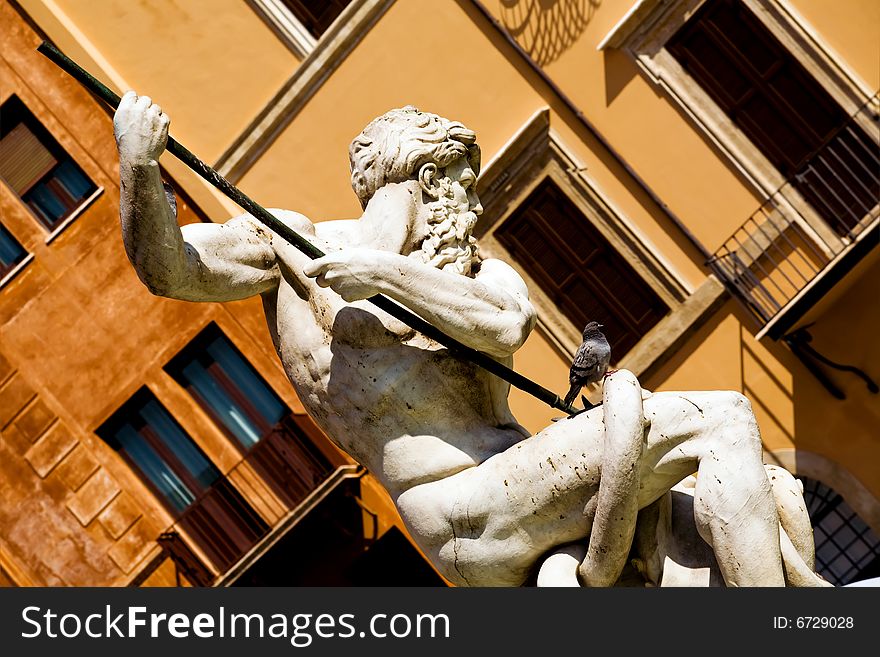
pixel 268 219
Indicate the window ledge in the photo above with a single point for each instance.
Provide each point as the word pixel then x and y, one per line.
pixel 12 273
pixel 60 228
pixel 664 340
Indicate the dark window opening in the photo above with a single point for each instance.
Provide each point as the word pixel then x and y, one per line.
pixel 11 252
pixel 238 399
pixel 207 506
pixel 847 550
pixel 782 109
pixel 581 273
pixel 37 169
pixel 316 15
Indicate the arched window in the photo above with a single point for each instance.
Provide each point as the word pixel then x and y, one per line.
pixel 847 550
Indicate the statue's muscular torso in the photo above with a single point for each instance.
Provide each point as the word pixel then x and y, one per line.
pixel 374 384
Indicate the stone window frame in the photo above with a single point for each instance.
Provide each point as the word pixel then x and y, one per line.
pixel 13 270
pixel 649 24
pixel 288 27
pixel 535 154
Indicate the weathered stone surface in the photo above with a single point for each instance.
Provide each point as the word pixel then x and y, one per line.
pixel 49 450
pixel 13 397
pixel 93 496
pixel 5 368
pixel 34 420
pixel 133 546
pixel 119 515
pixel 76 467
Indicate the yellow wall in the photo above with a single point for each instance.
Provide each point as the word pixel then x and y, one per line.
pixel 851 30
pixel 211 64
pixel 484 84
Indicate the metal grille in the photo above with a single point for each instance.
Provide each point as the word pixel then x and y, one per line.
pixel 778 251
pixel 845 545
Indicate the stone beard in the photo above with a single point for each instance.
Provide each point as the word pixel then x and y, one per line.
pixel 449 245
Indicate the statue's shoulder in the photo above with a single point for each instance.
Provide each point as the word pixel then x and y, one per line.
pixel 502 273
pixel 247 223
pixel 298 222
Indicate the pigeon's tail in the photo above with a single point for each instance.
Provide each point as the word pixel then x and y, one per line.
pixel 572 394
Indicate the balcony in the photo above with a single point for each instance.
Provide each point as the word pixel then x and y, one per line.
pixel 272 486
pixel 811 231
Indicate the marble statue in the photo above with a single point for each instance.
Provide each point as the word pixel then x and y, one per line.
pixel 486 502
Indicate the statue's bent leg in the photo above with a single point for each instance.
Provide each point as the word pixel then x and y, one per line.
pixel 733 504
pixel 490 524
pixel 614 523
pixel 795 529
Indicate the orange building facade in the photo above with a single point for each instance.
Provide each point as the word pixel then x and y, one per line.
pixel 700 176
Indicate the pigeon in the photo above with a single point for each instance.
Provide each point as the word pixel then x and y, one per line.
pixel 590 362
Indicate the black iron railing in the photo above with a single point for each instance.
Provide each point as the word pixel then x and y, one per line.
pixel 782 248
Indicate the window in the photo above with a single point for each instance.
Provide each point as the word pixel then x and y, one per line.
pixel 782 109
pixel 316 15
pixel 37 169
pixel 299 23
pixel 11 252
pixel 147 436
pixel 581 273
pixel 536 162
pixel 206 504
pixel 846 548
pixel 227 386
pixel 237 398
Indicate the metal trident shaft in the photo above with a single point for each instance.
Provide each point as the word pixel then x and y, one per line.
pixel 268 219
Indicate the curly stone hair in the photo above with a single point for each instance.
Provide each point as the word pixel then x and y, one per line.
pixel 394 146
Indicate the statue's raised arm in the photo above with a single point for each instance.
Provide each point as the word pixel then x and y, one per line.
pixel 203 262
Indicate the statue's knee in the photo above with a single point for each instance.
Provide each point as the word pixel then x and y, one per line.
pixel 735 406
pixel 733 417
pixel 737 400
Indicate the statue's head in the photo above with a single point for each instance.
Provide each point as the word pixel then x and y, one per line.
pixel 443 158
pixel 395 146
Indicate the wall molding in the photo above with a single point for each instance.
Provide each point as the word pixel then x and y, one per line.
pixel 285 25
pixel 328 54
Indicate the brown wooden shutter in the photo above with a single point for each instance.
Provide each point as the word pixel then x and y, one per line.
pixel 578 269
pixel 782 109
pixel 23 159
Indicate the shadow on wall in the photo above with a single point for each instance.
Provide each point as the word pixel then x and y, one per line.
pixel 547 28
